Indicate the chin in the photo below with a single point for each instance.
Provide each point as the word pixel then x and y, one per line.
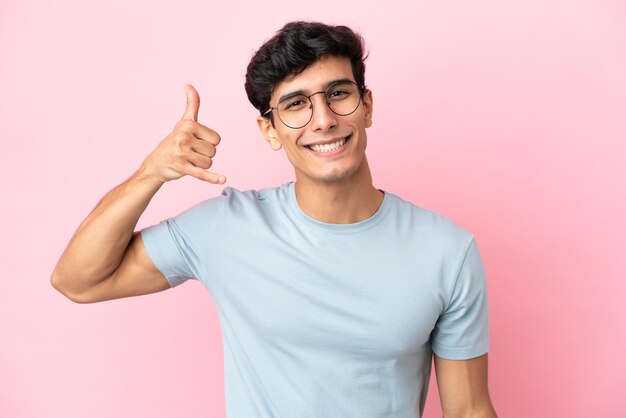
pixel 335 176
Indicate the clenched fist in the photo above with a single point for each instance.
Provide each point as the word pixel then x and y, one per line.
pixel 188 150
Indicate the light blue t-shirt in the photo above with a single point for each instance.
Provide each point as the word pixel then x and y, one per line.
pixel 328 320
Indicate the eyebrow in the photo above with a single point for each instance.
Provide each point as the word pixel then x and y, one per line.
pixel 324 88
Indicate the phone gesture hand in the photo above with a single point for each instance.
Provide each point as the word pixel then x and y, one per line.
pixel 188 150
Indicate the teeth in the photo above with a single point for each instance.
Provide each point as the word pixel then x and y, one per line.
pixel 328 147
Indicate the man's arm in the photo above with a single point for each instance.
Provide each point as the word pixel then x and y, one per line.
pixel 106 259
pixel 463 388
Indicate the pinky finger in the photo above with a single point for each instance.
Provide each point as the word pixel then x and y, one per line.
pixel 202 174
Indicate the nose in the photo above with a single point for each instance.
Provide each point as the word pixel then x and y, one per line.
pixel 323 118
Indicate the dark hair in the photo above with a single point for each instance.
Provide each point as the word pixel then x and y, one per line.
pixel 294 47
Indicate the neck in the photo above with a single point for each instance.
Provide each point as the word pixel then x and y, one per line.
pixel 345 201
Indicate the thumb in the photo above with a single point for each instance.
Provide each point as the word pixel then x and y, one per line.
pixel 193 103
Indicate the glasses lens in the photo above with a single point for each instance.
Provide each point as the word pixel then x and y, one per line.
pixel 295 112
pixel 343 98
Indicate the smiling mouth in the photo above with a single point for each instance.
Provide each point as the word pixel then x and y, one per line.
pixel 329 147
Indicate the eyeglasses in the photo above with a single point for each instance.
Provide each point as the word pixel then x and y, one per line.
pixel 296 110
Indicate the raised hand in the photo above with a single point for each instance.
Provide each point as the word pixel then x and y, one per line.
pixel 188 150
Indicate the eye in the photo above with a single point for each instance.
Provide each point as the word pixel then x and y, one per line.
pixel 338 94
pixel 294 104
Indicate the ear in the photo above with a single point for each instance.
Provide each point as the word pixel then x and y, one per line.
pixel 368 104
pixel 269 132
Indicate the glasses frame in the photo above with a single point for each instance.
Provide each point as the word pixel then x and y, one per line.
pixel 361 90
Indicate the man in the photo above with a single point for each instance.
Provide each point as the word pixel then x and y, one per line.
pixel 332 294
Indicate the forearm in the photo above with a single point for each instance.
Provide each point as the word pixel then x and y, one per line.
pixel 99 244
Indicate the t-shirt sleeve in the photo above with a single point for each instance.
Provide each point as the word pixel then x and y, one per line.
pixel 462 330
pixel 177 245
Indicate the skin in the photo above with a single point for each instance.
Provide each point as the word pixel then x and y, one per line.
pixel 106 258
pixel 463 387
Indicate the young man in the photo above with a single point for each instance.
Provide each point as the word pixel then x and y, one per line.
pixel 332 294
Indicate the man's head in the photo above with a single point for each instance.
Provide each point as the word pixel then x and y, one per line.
pixel 308 84
pixel 295 47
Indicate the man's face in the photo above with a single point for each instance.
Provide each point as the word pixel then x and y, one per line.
pixel 325 127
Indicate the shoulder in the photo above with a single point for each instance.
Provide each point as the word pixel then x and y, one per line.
pixel 236 198
pixel 267 193
pixel 234 203
pixel 428 225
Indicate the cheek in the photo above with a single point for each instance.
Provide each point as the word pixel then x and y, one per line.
pixel 291 147
pixel 292 141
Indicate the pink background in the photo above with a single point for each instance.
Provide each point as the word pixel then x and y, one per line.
pixel 506 117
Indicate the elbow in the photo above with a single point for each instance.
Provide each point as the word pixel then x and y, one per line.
pixel 61 286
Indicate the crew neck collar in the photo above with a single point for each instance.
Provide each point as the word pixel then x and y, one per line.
pixel 333 227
